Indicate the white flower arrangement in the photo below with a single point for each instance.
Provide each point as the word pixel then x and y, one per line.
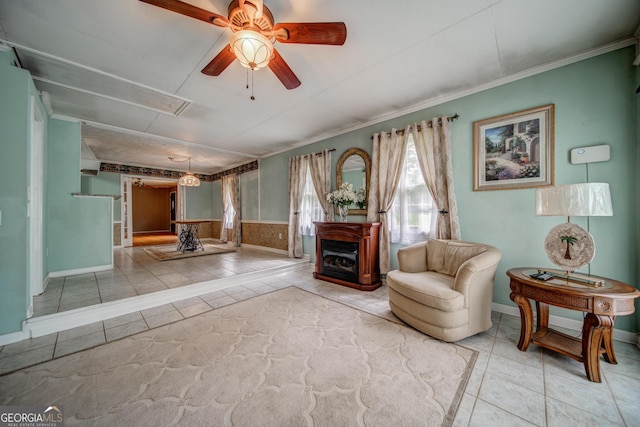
pixel 344 196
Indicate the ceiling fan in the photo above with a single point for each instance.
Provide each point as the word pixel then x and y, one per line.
pixel 254 33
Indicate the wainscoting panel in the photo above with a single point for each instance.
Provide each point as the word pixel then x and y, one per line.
pixel 265 234
pixel 216 228
pixel 204 230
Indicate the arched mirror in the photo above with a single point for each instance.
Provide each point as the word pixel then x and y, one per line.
pixel 354 167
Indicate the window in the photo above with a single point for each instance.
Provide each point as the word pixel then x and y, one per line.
pixel 229 213
pixel 310 210
pixel 413 215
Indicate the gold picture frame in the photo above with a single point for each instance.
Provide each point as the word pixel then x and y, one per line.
pixel 514 150
pixel 340 168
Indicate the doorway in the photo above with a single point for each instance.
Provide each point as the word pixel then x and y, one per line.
pixel 172 198
pixel 149 210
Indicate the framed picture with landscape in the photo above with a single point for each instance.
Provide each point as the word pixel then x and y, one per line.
pixel 514 150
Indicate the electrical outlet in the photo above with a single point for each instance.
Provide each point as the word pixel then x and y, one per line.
pixel 280 236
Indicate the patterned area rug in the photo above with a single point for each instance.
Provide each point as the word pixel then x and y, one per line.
pixel 167 252
pixel 288 358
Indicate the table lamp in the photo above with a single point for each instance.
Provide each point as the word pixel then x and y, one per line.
pixel 569 245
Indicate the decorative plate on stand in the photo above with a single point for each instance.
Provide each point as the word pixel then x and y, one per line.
pixel 569 246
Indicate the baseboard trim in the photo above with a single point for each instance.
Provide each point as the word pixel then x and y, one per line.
pixel 574 325
pixel 45 282
pixel 85 270
pixel 51 323
pixel 12 338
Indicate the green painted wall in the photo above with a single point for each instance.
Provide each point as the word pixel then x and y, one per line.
pixel 249 191
pixel 274 171
pixel 594 104
pixel 15 87
pixel 104 183
pixel 274 184
pixel 249 201
pixel 199 201
pixel 216 199
pixel 78 228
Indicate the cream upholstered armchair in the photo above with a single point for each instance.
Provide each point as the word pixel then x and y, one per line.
pixel 444 287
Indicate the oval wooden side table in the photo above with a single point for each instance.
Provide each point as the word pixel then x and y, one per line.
pixel 601 298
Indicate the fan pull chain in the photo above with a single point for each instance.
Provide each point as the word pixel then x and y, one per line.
pixel 253 98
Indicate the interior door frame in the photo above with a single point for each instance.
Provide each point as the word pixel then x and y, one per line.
pixel 126 206
pixel 173 210
pixel 35 203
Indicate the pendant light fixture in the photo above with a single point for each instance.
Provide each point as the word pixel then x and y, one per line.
pixel 188 179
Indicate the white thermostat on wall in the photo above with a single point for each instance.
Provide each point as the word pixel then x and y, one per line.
pixel 596 153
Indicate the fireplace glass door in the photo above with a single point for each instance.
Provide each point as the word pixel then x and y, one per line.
pixel 340 259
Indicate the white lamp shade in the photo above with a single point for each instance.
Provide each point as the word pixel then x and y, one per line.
pixel 189 180
pixel 252 49
pixel 587 199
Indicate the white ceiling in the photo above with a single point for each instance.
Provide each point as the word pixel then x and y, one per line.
pixel 131 71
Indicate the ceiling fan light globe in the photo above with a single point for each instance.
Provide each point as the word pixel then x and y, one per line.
pixel 252 49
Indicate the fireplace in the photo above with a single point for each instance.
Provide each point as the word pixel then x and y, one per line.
pixel 347 254
pixel 340 259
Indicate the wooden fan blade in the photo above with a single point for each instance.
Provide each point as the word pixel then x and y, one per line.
pixel 283 72
pixel 190 10
pixel 333 33
pixel 220 62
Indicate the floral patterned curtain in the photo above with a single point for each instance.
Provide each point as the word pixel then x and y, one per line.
pixel 231 209
pixel 297 180
pixel 386 165
pixel 433 145
pixel 320 166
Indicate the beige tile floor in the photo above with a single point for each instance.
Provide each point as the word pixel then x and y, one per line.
pixel 507 387
pixel 138 273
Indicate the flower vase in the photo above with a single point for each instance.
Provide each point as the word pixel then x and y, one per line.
pixel 343 211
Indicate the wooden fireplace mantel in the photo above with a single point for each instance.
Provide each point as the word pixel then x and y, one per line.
pixel 365 235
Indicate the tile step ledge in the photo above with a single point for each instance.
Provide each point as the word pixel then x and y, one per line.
pixel 51 323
